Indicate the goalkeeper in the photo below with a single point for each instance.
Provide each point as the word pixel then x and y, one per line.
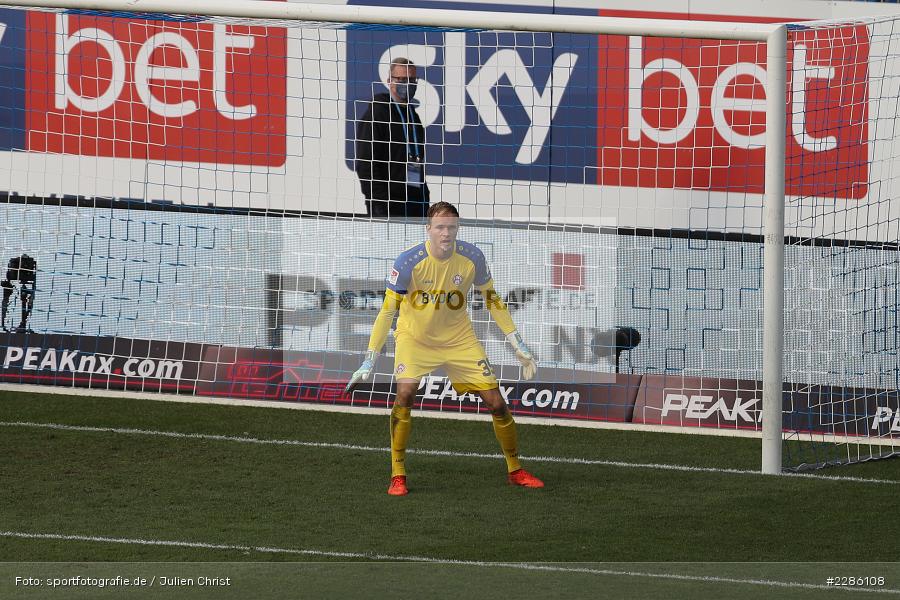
pixel 429 284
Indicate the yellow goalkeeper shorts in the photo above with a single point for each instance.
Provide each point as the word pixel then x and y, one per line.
pixel 466 364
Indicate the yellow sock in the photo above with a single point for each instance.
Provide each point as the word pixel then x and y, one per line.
pixel 401 423
pixel 505 430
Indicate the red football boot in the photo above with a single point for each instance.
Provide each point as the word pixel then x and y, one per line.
pixel 398 486
pixel 525 479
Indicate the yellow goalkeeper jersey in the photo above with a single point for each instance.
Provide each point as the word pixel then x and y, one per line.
pixel 432 294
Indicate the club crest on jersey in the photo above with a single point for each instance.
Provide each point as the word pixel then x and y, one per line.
pixel 393 276
pixel 457 279
pixel 400 368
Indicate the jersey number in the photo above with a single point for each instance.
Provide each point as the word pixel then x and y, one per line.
pixel 484 364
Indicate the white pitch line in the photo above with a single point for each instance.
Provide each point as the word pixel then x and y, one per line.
pixel 432 414
pixel 448 453
pixel 432 560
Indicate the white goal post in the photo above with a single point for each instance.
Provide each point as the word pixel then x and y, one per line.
pixel 773 35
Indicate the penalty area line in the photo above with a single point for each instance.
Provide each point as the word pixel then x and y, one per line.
pixel 553 568
pixel 444 453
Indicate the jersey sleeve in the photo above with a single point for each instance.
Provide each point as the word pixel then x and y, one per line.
pixel 383 322
pixel 482 272
pixel 399 276
pixel 498 308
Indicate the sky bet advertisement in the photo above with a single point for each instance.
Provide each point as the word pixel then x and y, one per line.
pixel 626 110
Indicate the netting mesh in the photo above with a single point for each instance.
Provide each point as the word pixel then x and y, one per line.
pixel 189 188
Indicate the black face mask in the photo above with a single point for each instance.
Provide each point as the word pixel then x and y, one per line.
pixel 406 89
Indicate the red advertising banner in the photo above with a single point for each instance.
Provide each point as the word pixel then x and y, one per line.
pixel 690 113
pixel 320 377
pixel 179 91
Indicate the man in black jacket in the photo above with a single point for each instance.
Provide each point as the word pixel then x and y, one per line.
pixel 390 149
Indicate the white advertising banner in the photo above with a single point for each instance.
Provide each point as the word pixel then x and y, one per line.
pixel 559 287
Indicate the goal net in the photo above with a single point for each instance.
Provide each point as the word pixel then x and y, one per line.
pixel 185 210
pixel 841 256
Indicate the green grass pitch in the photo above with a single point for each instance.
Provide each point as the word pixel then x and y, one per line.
pixel 317 515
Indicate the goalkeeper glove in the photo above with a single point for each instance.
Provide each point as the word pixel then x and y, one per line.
pixel 363 372
pixel 524 354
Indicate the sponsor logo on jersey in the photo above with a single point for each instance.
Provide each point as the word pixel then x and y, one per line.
pixel 454 299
